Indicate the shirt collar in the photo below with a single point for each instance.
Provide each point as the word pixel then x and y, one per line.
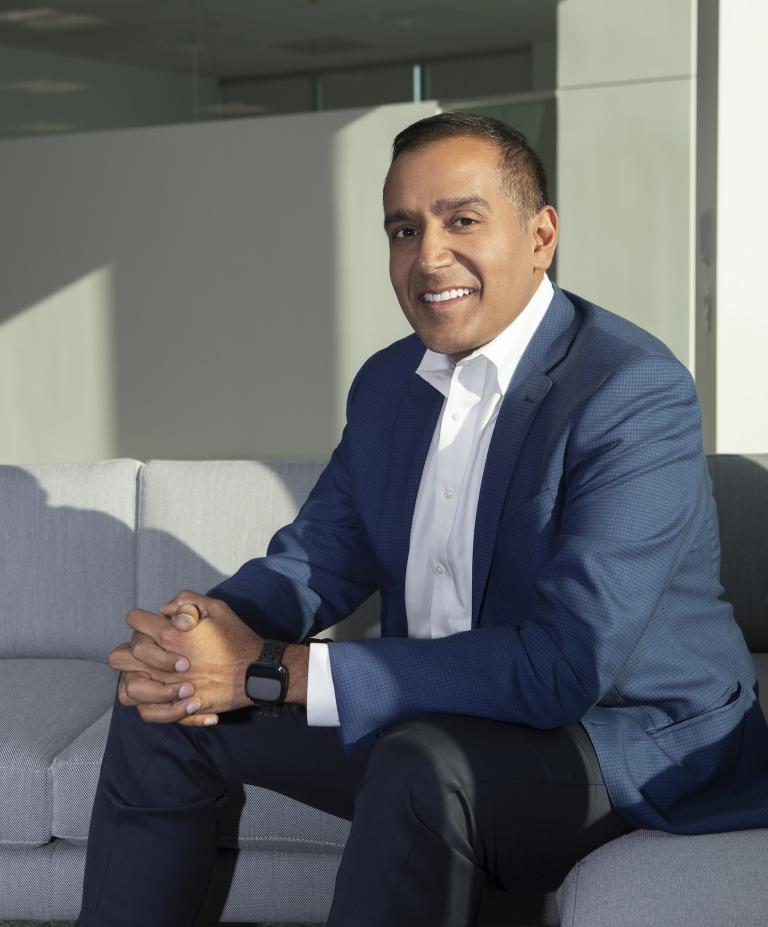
pixel 503 352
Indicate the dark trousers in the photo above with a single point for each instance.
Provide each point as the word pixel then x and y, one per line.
pixel 440 805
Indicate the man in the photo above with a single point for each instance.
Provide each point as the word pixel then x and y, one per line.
pixel 523 480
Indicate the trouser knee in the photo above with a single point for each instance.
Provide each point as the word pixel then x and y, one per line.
pixel 417 769
pixel 142 758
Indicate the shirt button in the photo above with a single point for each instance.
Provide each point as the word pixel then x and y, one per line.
pixel 448 493
pixel 457 416
pixel 439 569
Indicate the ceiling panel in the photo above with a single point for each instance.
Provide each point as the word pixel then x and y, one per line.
pixel 238 38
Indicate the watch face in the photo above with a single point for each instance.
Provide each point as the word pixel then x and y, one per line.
pixel 265 683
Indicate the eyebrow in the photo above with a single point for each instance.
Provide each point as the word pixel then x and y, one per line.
pixel 439 207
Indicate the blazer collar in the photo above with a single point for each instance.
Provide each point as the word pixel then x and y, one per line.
pixel 519 407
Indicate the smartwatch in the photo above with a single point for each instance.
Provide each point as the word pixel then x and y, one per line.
pixel 266 680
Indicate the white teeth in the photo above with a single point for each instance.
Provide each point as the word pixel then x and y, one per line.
pixel 447 294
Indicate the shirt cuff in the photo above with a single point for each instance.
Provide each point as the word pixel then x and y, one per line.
pixel 321 695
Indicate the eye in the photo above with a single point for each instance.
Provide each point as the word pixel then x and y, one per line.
pixel 464 222
pixel 405 231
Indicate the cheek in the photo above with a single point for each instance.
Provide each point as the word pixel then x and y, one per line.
pixel 398 273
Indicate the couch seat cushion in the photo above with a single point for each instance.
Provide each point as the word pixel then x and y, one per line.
pixel 653 879
pixel 252 817
pixel 46 705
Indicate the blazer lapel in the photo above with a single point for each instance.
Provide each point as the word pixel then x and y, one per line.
pixel 414 426
pixel 519 407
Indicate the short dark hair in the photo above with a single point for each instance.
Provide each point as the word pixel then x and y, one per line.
pixel 524 177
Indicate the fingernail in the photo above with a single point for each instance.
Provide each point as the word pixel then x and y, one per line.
pixel 182 665
pixel 184 621
pixel 186 690
pixel 193 707
pixel 209 721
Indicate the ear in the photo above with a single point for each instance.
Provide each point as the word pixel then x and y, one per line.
pixel 544 228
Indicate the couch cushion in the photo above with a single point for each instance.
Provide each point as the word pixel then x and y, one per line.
pixel 740 484
pixel 46 705
pixel 199 521
pixel 41 883
pixel 66 558
pixel 761 667
pixel 267 820
pixel 654 879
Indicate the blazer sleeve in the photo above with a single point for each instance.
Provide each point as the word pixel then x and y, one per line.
pixel 317 570
pixel 635 488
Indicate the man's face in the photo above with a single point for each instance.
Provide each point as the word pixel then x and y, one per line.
pixel 461 263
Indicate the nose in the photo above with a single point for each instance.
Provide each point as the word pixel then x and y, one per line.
pixel 434 252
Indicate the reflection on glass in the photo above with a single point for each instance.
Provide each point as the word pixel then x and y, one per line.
pixel 64 68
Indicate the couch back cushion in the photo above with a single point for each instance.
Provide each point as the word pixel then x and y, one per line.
pixel 740 484
pixel 66 558
pixel 199 521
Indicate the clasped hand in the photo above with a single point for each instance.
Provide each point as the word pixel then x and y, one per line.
pixel 188 663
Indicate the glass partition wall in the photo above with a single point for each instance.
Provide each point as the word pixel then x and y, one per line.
pixel 85 65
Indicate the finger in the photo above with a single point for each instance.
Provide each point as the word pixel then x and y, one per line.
pixel 155 626
pixel 187 597
pixel 169 713
pixel 200 720
pixel 118 654
pixel 122 695
pixel 123 658
pixel 141 689
pixel 187 617
pixel 147 651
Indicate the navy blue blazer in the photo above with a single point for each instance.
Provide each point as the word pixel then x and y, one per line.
pixel 595 573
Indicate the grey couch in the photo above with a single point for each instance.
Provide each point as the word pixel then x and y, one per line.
pixel 81 544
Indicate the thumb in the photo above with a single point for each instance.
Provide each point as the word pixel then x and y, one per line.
pixel 186 617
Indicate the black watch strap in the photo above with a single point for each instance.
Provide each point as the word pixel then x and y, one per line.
pixel 271 654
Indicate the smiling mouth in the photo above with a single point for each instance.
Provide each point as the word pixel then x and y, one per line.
pixel 447 297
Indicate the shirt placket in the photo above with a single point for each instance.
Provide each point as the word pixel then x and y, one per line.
pixel 457 432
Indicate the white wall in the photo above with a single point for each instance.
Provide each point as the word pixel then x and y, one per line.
pixel 626 157
pixel 367 312
pixel 742 233
pixel 198 291
pixel 56 373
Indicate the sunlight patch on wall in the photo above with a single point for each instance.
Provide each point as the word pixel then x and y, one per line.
pixel 56 376
pixel 367 313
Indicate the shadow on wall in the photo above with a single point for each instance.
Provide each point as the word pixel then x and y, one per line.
pixel 218 315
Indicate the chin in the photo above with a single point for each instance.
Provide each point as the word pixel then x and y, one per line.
pixel 443 345
pixel 443 348
pixel 448 347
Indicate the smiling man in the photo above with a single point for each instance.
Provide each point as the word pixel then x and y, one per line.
pixel 466 253
pixel 524 482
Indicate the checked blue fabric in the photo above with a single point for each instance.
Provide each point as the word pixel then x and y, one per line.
pixel 596 592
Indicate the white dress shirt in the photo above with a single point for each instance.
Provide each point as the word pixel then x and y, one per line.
pixel 438 577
